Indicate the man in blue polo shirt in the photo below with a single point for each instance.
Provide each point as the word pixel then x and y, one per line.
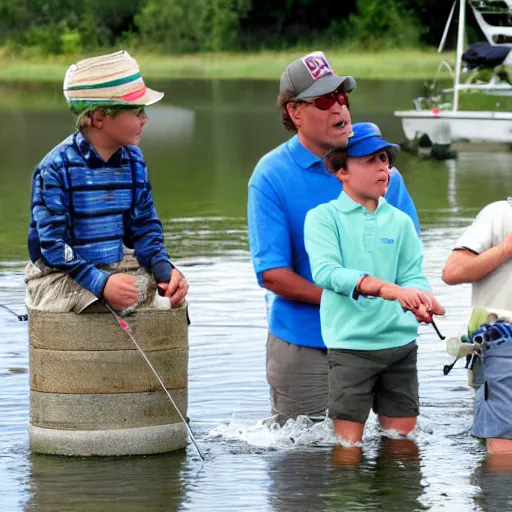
pixel 287 183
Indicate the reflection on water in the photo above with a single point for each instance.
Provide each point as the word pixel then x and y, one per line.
pixel 137 484
pixel 199 169
pixel 493 478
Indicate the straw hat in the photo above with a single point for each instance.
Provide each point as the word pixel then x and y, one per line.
pixel 108 80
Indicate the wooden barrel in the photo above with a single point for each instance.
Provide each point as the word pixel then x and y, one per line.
pixel 91 391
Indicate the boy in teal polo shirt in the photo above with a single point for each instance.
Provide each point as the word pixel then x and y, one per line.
pixel 367 257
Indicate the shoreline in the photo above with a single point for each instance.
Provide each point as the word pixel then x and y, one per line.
pixel 399 64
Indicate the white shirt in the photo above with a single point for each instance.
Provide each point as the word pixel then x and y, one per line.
pixel 488 230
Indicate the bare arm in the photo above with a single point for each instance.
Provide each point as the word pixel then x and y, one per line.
pixel 463 266
pixel 422 303
pixel 373 287
pixel 289 285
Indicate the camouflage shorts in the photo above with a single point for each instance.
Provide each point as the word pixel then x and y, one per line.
pixel 53 291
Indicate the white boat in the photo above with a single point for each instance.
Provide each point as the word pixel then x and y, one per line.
pixel 462 125
pixel 441 120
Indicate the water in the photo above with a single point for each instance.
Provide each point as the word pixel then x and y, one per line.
pixel 200 152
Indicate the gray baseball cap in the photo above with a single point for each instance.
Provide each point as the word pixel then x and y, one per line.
pixel 311 76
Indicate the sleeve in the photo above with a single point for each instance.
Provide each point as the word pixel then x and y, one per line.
pixel 325 256
pixel 146 233
pixel 398 196
pixel 410 260
pixel 478 237
pixel 50 210
pixel 269 234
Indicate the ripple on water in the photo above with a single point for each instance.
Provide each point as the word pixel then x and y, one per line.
pixel 251 465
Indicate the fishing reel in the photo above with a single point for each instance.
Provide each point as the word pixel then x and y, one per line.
pixel 471 348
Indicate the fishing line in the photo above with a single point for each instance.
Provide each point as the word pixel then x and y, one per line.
pixel 126 328
pixel 21 318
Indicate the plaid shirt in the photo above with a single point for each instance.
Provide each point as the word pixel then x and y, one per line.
pixel 84 209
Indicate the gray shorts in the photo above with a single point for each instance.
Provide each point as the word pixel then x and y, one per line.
pixel 298 379
pixel 383 380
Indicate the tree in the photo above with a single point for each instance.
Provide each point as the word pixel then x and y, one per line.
pixel 381 20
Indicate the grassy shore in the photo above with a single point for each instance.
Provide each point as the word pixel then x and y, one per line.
pixel 389 64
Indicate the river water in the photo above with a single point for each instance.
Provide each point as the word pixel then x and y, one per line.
pixel 201 145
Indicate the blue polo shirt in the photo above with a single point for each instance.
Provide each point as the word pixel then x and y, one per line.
pixel 287 183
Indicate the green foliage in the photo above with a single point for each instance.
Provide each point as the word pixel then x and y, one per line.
pixel 177 26
pixel 224 21
pixel 70 42
pixel 63 26
pixel 379 21
pixel 191 25
pixel 172 25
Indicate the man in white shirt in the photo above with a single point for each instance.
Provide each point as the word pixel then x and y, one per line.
pixel 483 257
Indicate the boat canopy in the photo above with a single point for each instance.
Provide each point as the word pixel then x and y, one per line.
pixel 485 56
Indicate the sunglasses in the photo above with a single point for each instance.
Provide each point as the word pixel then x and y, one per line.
pixel 136 111
pixel 114 110
pixel 326 101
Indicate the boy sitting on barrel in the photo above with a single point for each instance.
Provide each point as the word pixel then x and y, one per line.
pixel 91 198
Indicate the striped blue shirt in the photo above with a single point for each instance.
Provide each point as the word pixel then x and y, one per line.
pixel 84 209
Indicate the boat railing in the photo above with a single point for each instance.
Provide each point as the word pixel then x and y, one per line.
pixel 496 35
pixel 443 64
pixel 423 103
pixel 492 6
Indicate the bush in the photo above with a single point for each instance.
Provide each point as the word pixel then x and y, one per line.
pixel 172 25
pixel 191 25
pixel 64 26
pixel 379 23
pixel 70 42
pixel 223 29
pixel 46 39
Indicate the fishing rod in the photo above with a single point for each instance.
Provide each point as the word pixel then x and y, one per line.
pixel 437 329
pixel 126 328
pixel 21 318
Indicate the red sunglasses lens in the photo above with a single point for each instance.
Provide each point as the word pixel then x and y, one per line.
pixel 326 101
pixel 342 98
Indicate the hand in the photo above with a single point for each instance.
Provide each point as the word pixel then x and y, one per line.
pixel 422 314
pixel 176 288
pixel 436 309
pixel 121 291
pixel 429 306
pixel 412 299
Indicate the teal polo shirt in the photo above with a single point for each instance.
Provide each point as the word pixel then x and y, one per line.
pixel 345 241
pixel 286 183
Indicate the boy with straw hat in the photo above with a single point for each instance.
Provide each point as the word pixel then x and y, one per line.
pixel 91 197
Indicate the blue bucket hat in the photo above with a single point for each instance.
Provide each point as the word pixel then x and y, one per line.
pixel 367 139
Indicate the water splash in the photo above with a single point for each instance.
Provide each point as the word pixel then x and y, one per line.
pixel 268 433
pixel 303 432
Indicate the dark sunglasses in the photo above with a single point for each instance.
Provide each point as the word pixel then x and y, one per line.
pixel 136 111
pixel 326 101
pixel 116 109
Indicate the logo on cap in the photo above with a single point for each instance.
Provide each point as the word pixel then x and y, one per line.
pixel 317 65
